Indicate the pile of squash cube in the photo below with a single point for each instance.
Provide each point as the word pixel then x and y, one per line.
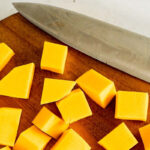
pixel 71 103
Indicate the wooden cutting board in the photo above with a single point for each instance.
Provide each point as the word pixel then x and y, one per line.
pixel 27 42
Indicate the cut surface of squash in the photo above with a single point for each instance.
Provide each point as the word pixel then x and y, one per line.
pixel 70 140
pixel 56 89
pixel 17 83
pixel 32 139
pixel 6 53
pixel 119 138
pixel 54 57
pixel 49 123
pixel 97 87
pixel 131 105
pixel 9 123
pixel 74 106
pixel 145 135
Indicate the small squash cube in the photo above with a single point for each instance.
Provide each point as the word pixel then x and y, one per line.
pixel 74 107
pixel 49 123
pixel 70 140
pixel 145 135
pixel 118 139
pixel 97 87
pixel 32 139
pixel 54 57
pixel 131 105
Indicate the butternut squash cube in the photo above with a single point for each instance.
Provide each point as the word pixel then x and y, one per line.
pixel 145 135
pixel 54 57
pixel 70 140
pixel 5 148
pixel 9 122
pixel 32 139
pixel 55 89
pixel 6 53
pixel 97 87
pixel 118 139
pixel 17 83
pixel 131 105
pixel 49 123
pixel 74 107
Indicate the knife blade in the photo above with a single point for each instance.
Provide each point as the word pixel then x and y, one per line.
pixel 117 47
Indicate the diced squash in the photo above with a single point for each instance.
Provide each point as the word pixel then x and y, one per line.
pixel 70 140
pixel 131 105
pixel 9 122
pixel 119 139
pixel 6 53
pixel 54 57
pixel 32 139
pixel 17 83
pixel 55 89
pixel 5 148
pixel 49 123
pixel 97 87
pixel 74 106
pixel 145 135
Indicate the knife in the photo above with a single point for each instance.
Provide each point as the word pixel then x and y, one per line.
pixel 117 47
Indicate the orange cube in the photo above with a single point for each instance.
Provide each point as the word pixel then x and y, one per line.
pixel 74 107
pixel 145 135
pixel 49 123
pixel 31 139
pixel 70 140
pixel 119 138
pixel 54 57
pixel 97 87
pixel 131 105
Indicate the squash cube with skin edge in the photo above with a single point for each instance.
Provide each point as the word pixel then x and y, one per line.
pixel 97 87
pixel 5 148
pixel 6 53
pixel 49 123
pixel 131 105
pixel 119 139
pixel 70 140
pixel 9 123
pixel 145 135
pixel 17 83
pixel 56 89
pixel 32 139
pixel 54 57
pixel 74 106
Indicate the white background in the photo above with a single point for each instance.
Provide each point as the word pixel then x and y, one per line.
pixel 133 15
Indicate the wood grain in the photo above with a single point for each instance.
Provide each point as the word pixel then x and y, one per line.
pixel 27 42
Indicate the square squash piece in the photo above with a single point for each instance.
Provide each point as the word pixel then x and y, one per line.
pixel 74 106
pixel 54 57
pixel 131 105
pixel 70 140
pixel 49 123
pixel 32 139
pixel 118 139
pixel 99 88
pixel 145 135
